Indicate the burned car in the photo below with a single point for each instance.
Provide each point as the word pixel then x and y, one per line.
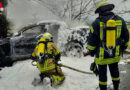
pixel 21 45
pixel 5 59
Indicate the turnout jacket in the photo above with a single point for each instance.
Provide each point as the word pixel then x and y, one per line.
pixel 97 37
pixel 50 55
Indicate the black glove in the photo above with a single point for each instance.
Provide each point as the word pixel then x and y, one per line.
pixel 122 44
pixel 94 68
pixel 57 58
pixel 123 47
pixel 92 53
pixel 33 58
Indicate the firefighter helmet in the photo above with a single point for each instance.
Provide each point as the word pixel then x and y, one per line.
pixel 48 36
pixel 103 5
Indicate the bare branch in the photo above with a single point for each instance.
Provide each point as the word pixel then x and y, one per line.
pixel 123 12
pixel 82 10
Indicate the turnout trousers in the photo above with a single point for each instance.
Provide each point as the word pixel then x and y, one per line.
pixel 114 71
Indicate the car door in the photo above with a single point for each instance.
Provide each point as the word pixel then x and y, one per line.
pixel 25 42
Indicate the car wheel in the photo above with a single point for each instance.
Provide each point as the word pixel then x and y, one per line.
pixel 73 49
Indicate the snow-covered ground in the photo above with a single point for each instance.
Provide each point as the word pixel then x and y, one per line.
pixel 21 75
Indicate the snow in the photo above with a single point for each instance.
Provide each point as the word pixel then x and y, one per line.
pixel 21 75
pixel 80 27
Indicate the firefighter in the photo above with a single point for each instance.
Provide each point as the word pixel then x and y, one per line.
pixel 47 55
pixel 107 38
pixel 5 59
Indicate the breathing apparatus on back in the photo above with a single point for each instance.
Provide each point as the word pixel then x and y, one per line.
pixel 42 47
pixel 110 36
pixel 41 51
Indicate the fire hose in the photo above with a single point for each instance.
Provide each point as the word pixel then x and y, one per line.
pixel 66 66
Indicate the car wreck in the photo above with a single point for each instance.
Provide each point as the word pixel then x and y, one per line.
pixel 22 43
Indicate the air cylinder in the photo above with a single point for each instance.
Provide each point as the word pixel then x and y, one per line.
pixel 111 33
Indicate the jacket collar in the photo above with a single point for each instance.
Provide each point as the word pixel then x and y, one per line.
pixel 106 14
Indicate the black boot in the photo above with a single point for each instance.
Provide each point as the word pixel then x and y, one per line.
pixel 42 76
pixel 116 85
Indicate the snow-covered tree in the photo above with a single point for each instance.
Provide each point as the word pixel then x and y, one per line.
pixel 69 9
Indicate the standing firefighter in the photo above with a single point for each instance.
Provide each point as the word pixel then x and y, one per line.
pixel 107 38
pixel 5 60
pixel 47 56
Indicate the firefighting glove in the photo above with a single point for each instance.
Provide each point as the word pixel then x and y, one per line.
pixel 123 47
pixel 122 44
pixel 57 58
pixel 94 68
pixel 33 58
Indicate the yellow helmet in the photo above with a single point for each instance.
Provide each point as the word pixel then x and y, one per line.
pixel 48 36
pixel 103 4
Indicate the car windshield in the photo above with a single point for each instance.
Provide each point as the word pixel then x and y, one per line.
pixel 34 31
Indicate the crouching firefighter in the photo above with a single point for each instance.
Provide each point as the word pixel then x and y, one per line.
pixel 104 42
pixel 47 55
